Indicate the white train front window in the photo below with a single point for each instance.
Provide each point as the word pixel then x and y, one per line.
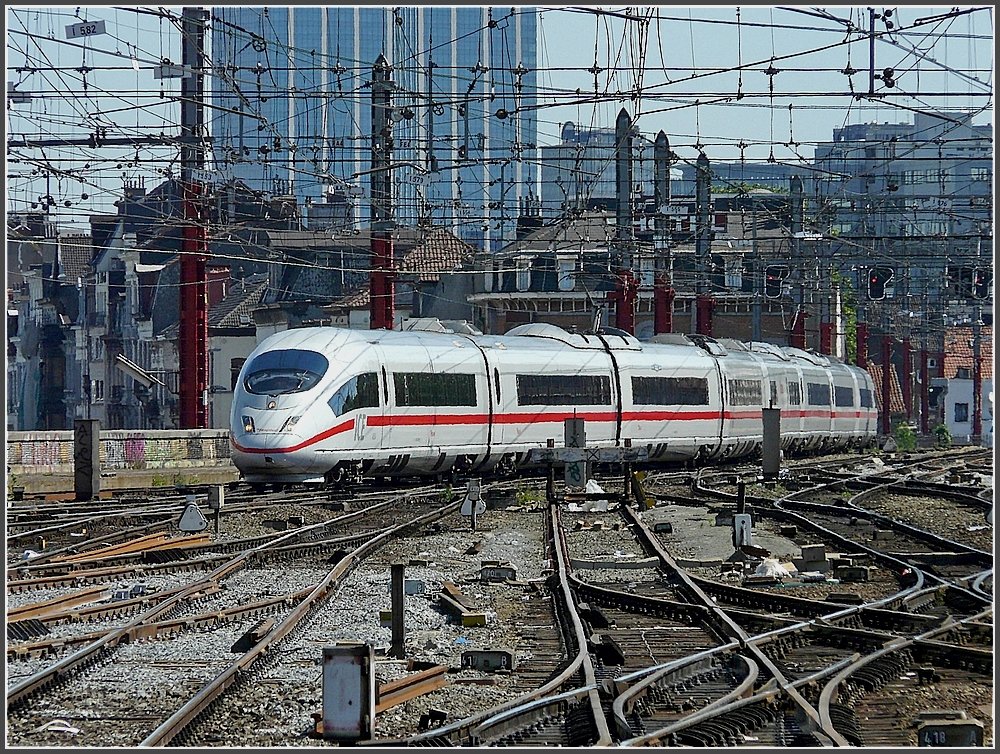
pixel 286 371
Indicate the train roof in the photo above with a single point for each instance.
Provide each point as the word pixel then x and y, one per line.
pixel 542 336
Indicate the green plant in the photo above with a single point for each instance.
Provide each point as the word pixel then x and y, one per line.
pixel 448 494
pixel 159 481
pixel 942 436
pixel 527 496
pixel 849 307
pixel 906 438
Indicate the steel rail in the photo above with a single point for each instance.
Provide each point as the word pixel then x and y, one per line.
pixel 176 724
pixel 830 690
pixel 18 694
pixel 728 625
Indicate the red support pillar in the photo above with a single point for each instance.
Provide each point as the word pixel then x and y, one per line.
pixel 862 344
pixel 925 394
pixel 625 297
pixel 798 338
pixel 193 336
pixel 886 382
pixel 704 307
pixel 382 305
pixel 826 337
pixel 663 305
pixel 907 380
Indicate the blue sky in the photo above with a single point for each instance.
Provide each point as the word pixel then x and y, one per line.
pixel 945 64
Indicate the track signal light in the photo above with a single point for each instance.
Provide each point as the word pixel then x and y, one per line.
pixel 878 279
pixel 981 282
pixel 774 276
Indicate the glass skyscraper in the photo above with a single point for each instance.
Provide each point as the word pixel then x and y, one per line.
pixel 292 109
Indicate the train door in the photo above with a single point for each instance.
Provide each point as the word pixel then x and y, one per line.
pixel 406 424
pixel 792 418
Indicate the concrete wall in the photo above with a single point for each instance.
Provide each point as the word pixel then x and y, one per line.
pixel 34 453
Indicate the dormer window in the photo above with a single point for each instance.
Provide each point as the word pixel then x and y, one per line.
pixel 522 270
pixel 566 271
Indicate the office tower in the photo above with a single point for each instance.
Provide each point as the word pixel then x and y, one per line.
pixel 292 110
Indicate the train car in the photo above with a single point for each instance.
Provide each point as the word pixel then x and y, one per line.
pixel 318 404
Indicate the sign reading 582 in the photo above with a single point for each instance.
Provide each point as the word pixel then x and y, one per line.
pixel 85 29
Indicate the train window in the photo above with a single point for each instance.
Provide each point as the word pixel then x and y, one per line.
pixel 774 393
pixel 744 392
pixel 563 390
pixel 819 394
pixel 385 386
pixel 794 393
pixel 866 397
pixel 287 371
pixel 496 379
pixel 421 389
pixel 670 391
pixel 843 396
pixel 357 392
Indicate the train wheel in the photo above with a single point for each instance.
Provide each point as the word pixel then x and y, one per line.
pixel 260 489
pixel 336 476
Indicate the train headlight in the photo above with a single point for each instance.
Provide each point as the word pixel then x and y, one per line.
pixel 248 424
pixel 290 422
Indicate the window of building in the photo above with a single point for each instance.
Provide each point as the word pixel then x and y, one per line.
pixel 866 397
pixel 963 373
pixel 566 269
pixel 794 393
pixel 98 390
pixel 961 413
pixel 419 389
pixel 843 396
pixel 818 393
pixel 980 174
pixel 563 390
pixel 745 392
pixel 670 391
pixel 358 392
pixel 647 271
pixel 523 273
pixel 235 365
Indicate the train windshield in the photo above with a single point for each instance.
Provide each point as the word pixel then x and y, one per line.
pixel 288 371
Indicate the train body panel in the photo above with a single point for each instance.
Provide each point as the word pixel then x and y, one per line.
pixel 314 402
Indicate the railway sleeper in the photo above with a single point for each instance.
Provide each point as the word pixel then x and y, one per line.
pixel 23 630
pixel 845 721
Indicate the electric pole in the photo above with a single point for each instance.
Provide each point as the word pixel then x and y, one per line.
pixel 663 290
pixel 702 314
pixel 193 345
pixel 798 335
pixel 382 305
pixel 625 287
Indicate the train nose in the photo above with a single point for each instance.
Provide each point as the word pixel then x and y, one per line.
pixel 267 450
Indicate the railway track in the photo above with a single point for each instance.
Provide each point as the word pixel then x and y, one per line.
pixel 671 652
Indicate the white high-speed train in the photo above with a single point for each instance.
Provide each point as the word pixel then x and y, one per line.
pixel 316 404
